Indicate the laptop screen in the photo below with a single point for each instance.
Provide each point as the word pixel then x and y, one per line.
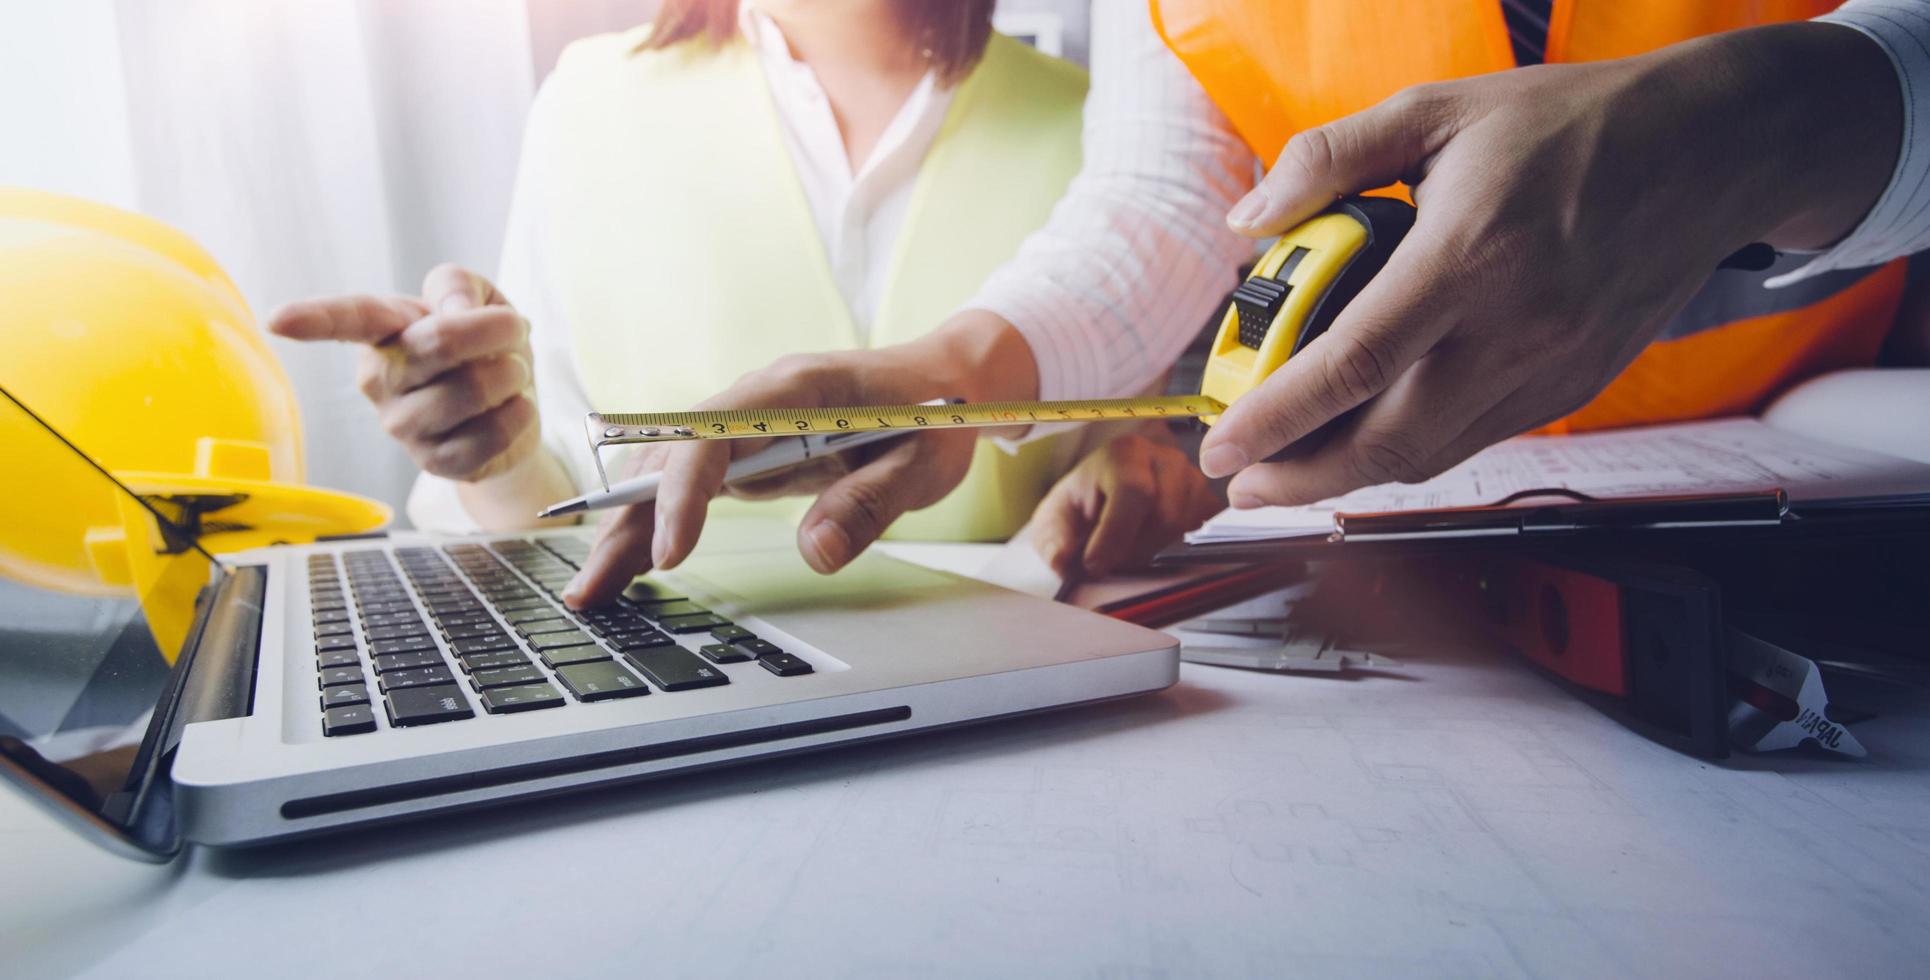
pixel 96 606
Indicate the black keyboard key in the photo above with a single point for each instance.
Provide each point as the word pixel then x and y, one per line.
pixel 483 644
pixel 676 669
pixel 528 697
pixel 693 623
pixel 455 617
pixel 640 641
pixel 352 719
pixel 758 648
pixel 408 632
pixel 550 641
pixel 784 664
pixel 643 590
pixel 404 617
pixel 568 549
pixel 732 634
pixel 396 680
pixel 408 661
pixel 538 627
pixel 341 675
pixel 533 615
pixel 494 661
pixel 723 653
pixel 675 607
pixel 472 631
pixel 402 629
pixel 614 614
pixel 408 644
pixel 573 655
pixel 344 694
pixel 338 658
pixel 629 624
pixel 427 705
pixel 331 616
pixel 505 677
pixel 600 681
pixel 333 629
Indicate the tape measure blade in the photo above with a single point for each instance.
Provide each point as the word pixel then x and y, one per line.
pixel 758 423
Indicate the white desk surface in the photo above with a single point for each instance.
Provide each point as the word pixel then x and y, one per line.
pixel 1460 817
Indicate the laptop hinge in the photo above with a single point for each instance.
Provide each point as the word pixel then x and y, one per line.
pixel 227 649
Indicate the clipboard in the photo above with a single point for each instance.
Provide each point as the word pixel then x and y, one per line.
pixel 1562 510
pixel 1564 520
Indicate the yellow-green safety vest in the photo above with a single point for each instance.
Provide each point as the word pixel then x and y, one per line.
pixel 684 252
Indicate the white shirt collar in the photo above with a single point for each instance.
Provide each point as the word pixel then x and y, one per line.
pixel 858 215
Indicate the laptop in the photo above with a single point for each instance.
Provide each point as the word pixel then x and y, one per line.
pixel 161 694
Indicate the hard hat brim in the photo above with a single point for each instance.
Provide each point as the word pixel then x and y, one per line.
pixel 240 514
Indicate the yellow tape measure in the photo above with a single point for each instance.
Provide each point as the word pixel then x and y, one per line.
pixel 758 423
pixel 1294 292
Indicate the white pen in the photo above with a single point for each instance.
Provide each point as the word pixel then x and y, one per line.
pixel 785 452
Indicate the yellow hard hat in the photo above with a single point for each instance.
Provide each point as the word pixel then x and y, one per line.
pixel 129 340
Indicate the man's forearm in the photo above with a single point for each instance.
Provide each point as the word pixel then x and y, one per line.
pixel 1827 131
pixel 985 358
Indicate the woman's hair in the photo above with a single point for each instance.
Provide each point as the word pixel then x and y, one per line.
pixel 951 33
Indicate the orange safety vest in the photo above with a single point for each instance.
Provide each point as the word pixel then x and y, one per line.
pixel 1279 66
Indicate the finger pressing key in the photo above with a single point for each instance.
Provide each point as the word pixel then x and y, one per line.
pixel 621 552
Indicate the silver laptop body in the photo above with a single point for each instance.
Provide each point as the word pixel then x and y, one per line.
pixel 230 748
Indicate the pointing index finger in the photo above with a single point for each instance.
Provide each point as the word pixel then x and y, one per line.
pixel 356 319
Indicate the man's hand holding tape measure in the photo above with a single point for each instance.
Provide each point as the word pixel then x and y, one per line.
pixel 1566 212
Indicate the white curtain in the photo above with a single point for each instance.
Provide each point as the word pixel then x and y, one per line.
pixel 313 146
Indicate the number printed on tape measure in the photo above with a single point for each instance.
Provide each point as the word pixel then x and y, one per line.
pixel 753 423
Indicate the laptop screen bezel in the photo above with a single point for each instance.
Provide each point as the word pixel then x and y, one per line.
pixel 151 832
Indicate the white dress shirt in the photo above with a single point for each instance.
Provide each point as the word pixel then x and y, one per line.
pixel 1899 223
pixel 858 215
pixel 1134 258
pixel 1137 253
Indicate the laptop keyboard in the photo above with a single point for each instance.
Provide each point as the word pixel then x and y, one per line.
pixel 507 643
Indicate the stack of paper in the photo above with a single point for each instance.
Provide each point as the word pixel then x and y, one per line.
pixel 1721 456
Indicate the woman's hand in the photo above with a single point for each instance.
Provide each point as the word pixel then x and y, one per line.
pixel 1119 506
pixel 858 497
pixel 449 373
